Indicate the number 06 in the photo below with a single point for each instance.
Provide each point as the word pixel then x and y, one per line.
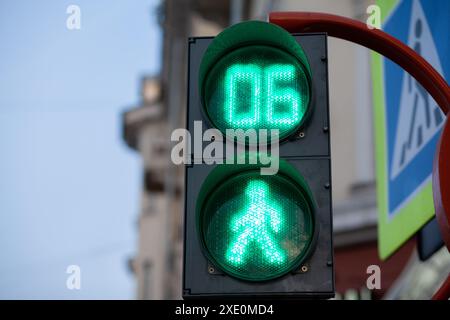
pixel 277 79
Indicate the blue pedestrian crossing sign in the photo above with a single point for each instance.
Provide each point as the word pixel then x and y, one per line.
pixel 408 122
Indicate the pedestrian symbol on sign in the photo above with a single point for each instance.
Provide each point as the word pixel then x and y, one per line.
pixel 420 117
pixel 257 223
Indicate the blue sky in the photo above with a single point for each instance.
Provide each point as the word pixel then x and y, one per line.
pixel 69 187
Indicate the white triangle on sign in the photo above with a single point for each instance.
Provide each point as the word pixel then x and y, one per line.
pixel 419 115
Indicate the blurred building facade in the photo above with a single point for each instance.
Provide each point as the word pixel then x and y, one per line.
pixel 147 128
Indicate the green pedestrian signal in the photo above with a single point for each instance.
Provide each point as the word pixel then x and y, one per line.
pixel 255 227
pixel 259 221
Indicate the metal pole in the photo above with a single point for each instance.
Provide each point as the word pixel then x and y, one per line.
pixel 236 9
pixel 444 291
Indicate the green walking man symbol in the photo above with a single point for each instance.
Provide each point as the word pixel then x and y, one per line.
pixel 257 223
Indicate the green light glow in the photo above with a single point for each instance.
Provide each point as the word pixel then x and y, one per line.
pixel 259 88
pixel 282 74
pixel 255 223
pixel 235 76
pixel 278 97
pixel 256 227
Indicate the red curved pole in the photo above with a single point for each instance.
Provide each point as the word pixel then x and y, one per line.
pixel 441 183
pixel 377 40
pixel 444 292
pixel 414 64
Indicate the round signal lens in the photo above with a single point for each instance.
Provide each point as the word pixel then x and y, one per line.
pixel 257 227
pixel 257 87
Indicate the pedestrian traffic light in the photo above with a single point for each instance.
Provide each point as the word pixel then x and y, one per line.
pixel 246 233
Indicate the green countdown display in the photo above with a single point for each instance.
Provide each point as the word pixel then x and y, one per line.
pixel 257 87
pixel 257 227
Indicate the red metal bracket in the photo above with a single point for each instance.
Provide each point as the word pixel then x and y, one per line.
pixel 441 183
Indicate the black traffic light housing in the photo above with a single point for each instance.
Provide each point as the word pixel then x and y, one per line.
pixel 308 151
